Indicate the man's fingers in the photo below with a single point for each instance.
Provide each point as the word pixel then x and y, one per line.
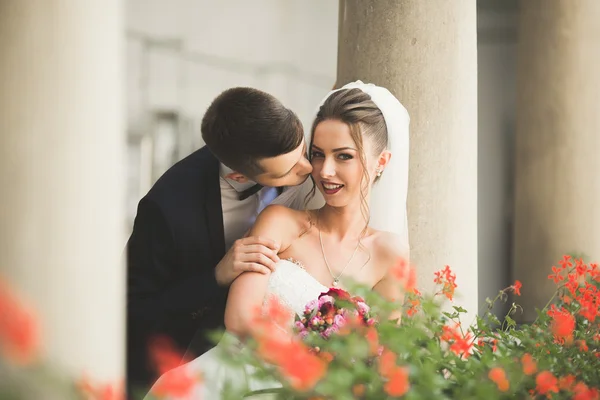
pixel 259 248
pixel 259 258
pixel 270 243
pixel 254 267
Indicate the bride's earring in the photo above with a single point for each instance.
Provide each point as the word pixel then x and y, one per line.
pixel 378 172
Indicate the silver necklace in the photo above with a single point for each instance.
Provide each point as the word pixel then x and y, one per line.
pixel 336 279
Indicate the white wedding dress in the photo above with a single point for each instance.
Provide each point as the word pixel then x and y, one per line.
pixel 294 287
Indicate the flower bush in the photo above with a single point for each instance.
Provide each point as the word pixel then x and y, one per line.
pixel 432 353
pixel 349 347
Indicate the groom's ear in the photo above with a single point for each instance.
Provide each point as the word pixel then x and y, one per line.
pixel 236 176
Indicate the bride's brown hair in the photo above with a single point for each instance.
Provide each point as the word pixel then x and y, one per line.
pixel 356 109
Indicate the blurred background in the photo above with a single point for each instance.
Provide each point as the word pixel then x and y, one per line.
pixel 180 55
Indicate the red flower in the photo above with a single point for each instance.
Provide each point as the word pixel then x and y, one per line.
pixel 19 330
pixel 398 383
pixel 459 344
pixel 276 312
pixel 399 269
pixel 411 282
pixel 302 368
pixel 387 363
pixel 563 323
pixel 164 356
pixel 414 303
pixel 546 383
pixel 566 382
pixel 582 392
pixel 177 383
pixel 494 345
pixel 565 263
pixel 373 340
pixel 101 392
pixel 557 277
pixel 462 345
pixel 446 278
pixel 529 365
pixel 272 349
pixel 517 287
pixel 498 376
pixel 337 294
pixel 580 267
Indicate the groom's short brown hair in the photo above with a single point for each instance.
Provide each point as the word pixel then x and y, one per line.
pixel 244 125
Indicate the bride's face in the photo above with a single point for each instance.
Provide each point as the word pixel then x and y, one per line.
pixel 337 169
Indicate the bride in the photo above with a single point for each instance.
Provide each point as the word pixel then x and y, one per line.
pixel 356 130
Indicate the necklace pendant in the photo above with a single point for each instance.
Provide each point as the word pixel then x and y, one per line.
pixel 335 282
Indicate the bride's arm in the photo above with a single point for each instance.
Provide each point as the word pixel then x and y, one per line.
pixel 247 292
pixel 395 255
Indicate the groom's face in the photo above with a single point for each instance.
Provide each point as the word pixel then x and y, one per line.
pixel 288 169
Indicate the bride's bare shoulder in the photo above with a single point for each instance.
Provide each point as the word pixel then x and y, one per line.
pixel 277 213
pixel 281 223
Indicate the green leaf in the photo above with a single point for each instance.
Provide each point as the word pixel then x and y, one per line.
pixel 459 309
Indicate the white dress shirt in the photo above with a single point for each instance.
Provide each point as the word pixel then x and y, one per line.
pixel 240 215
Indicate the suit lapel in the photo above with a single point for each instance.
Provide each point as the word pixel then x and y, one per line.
pixel 214 211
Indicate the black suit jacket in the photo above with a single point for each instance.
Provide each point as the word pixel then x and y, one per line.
pixel 177 241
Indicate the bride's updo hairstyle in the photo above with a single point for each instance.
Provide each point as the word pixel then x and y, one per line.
pixel 365 120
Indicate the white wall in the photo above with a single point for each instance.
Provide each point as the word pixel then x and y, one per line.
pixel 182 53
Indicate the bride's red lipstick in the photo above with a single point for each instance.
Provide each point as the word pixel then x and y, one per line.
pixel 333 187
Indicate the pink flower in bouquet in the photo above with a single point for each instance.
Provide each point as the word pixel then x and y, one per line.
pixel 339 320
pixel 329 331
pixel 326 299
pixel 363 308
pixel 311 305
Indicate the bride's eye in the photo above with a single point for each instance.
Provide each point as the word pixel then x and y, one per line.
pixel 345 156
pixel 315 153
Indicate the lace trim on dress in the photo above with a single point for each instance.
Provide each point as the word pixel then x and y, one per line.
pixel 297 262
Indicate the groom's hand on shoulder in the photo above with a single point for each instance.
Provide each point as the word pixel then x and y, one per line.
pixel 252 253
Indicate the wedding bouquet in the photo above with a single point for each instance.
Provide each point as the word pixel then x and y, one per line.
pixel 331 312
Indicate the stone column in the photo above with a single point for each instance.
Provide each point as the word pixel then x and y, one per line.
pixel 425 52
pixel 557 204
pixel 62 175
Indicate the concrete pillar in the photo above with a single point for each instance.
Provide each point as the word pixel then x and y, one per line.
pixel 557 192
pixel 62 175
pixel 425 52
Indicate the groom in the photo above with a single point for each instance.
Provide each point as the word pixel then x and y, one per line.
pixel 186 246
